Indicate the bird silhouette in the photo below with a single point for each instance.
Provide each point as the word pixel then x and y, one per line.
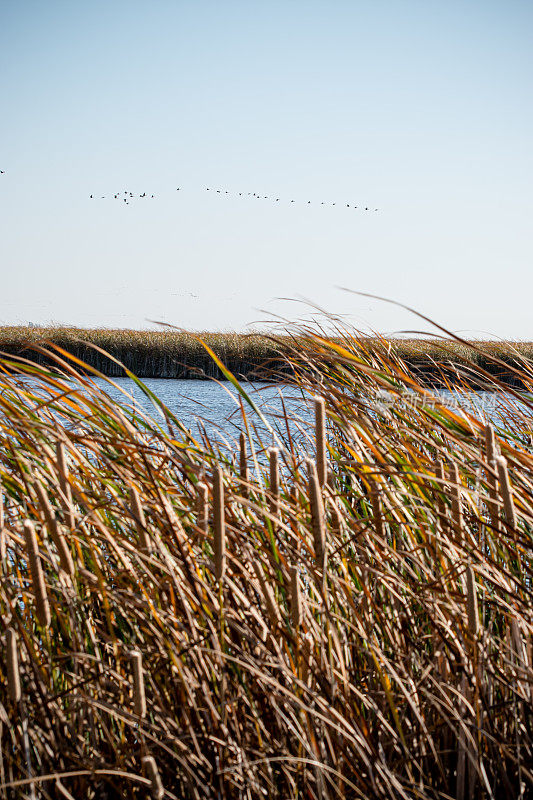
pixel 292 201
pixel 91 196
pixel 2 171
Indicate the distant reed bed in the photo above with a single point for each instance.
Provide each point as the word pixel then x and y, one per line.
pixel 352 618
pixel 171 353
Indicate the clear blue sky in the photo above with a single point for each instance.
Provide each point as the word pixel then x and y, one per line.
pixel 421 109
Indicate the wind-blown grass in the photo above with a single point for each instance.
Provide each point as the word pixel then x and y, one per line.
pixel 174 628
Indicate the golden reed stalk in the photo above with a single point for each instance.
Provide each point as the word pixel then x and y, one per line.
pixel 66 499
pixel 457 503
pixel 39 586
pixel 243 465
pixel 140 521
pixel 202 507
pixel 491 453
pixel 318 522
pixel 139 696
pixel 65 557
pixel 320 436
pixel 273 463
pixel 295 600
pixel 219 524
pixel 506 490
pixel 152 773
pixel 13 674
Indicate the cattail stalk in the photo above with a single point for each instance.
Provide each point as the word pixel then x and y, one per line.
pixel 296 600
pixel 243 465
pixel 3 546
pixel 491 452
pixel 335 515
pixel 152 773
pixel 441 505
pixel 66 499
pixel 62 791
pixel 317 515
pixel 39 586
pixel 219 524
pixel 13 674
pixel 457 505
pixel 202 507
pixel 139 697
pixel 471 603
pixel 273 462
pixel 506 490
pixel 320 435
pixel 376 509
pixel 140 521
pixel 269 596
pixel 65 557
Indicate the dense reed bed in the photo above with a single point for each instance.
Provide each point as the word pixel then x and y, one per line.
pixel 347 613
pixel 169 353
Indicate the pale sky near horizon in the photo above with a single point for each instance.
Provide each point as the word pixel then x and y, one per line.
pixel 422 110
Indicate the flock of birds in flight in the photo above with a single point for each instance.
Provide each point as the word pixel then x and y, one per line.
pixel 127 197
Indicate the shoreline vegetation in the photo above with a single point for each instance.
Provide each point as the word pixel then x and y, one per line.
pixel 349 615
pixel 176 354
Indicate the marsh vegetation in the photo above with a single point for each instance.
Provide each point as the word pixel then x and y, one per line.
pixel 349 615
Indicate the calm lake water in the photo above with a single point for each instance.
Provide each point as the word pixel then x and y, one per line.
pixel 216 405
